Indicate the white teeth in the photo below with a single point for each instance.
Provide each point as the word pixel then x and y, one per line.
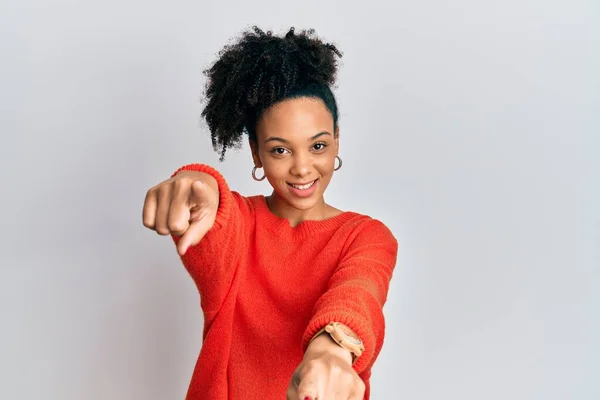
pixel 304 187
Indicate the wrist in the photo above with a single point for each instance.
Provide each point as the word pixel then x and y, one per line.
pixel 344 337
pixel 323 344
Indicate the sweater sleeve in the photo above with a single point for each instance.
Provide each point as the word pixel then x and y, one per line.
pixel 358 290
pixel 213 262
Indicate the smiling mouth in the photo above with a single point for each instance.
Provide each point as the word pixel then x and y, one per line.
pixel 303 186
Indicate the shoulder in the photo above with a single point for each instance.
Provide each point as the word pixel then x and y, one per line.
pixel 364 230
pixel 246 204
pixel 369 242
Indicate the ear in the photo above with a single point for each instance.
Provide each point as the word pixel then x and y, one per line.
pixel 254 150
pixel 336 137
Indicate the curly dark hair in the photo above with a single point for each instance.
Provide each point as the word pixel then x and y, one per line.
pixel 259 70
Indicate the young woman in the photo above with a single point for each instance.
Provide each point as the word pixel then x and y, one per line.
pixel 291 288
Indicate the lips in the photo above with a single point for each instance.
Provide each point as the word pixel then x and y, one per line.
pixel 303 190
pixel 302 186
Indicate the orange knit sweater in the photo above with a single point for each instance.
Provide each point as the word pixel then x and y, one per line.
pixel 266 288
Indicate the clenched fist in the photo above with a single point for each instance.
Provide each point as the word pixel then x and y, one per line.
pixel 325 373
pixel 185 205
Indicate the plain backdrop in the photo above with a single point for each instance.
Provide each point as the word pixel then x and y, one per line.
pixel 471 128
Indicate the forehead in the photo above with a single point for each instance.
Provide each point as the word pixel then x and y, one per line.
pixel 299 117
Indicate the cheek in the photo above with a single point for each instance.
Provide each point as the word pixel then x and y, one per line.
pixel 275 170
pixel 326 165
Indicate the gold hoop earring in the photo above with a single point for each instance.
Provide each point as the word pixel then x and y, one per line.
pixel 340 163
pixel 254 175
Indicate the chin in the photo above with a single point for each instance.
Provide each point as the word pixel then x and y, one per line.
pixel 302 204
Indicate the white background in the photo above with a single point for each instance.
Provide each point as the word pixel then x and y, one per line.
pixel 471 128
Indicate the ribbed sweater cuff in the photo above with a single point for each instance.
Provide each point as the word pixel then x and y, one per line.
pixel 225 196
pixel 353 321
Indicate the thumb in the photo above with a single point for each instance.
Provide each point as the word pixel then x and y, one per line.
pixel 200 193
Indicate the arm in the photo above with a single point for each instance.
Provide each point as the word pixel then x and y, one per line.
pixel 355 297
pixel 358 290
pixel 212 263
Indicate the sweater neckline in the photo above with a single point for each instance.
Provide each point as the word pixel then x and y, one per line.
pixel 280 224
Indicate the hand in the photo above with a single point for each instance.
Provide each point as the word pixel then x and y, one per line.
pixel 185 205
pixel 326 373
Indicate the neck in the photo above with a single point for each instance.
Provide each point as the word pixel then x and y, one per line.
pixel 295 216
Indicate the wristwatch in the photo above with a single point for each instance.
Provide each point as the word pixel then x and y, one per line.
pixel 345 337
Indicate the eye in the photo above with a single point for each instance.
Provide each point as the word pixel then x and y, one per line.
pixel 319 146
pixel 279 151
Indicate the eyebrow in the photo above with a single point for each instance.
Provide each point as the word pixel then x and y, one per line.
pixel 278 139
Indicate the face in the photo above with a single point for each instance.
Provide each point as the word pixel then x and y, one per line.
pixel 296 145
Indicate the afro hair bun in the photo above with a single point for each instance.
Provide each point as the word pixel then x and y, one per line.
pixel 258 70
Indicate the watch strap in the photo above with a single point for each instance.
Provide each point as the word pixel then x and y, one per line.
pixel 335 332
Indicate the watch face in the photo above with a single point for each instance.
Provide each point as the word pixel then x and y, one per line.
pixel 350 335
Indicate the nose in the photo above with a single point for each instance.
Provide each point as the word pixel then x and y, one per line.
pixel 301 165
